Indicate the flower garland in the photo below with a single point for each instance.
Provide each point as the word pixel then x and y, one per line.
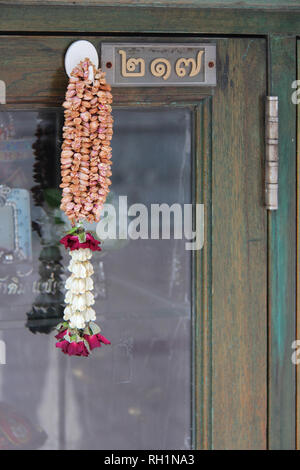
pixel 85 171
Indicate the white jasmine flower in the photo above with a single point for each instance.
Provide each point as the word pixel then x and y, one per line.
pixel 77 321
pixel 81 269
pixel 89 299
pixel 89 284
pixel 68 312
pixel 79 302
pixel 79 285
pixel 89 268
pixel 68 282
pixel 77 268
pixel 68 297
pixel 89 314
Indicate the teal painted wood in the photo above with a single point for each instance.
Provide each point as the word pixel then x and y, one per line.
pixel 95 19
pixel 282 254
pixel 298 253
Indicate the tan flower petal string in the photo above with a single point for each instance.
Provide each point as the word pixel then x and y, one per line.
pixel 86 150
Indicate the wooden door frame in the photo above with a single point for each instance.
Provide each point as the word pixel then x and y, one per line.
pixel 282 254
pixel 298 254
pixel 121 17
pixel 200 104
pixel 280 28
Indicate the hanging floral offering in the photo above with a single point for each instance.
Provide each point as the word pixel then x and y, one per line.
pixel 85 172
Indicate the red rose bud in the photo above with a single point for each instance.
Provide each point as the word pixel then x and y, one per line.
pixel 96 340
pixel 72 242
pixel 77 349
pixel 73 349
pixel 93 243
pixel 61 334
pixel 63 345
pixel 103 339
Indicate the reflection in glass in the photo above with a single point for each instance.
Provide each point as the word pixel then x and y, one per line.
pixel 17 431
pixel 136 393
pixel 47 309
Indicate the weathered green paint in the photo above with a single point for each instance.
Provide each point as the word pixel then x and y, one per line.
pixel 107 19
pixel 298 253
pixel 282 259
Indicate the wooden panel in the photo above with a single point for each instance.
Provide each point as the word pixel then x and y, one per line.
pixel 298 257
pixel 282 244
pixel 266 4
pixel 101 19
pixel 202 327
pixel 239 251
pixel 33 70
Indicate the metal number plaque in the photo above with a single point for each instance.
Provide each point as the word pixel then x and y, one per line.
pixel 159 64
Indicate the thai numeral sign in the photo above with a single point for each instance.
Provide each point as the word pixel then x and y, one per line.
pixel 159 64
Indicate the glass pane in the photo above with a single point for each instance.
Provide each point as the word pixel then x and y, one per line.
pixel 135 394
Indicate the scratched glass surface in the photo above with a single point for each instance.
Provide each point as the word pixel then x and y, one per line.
pixel 136 393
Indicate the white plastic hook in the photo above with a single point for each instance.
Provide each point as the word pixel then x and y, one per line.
pixel 78 51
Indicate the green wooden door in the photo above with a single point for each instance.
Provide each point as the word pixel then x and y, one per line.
pixel 230 358
pixel 232 326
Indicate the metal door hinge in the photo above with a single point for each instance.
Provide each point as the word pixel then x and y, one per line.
pixel 2 92
pixel 272 159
